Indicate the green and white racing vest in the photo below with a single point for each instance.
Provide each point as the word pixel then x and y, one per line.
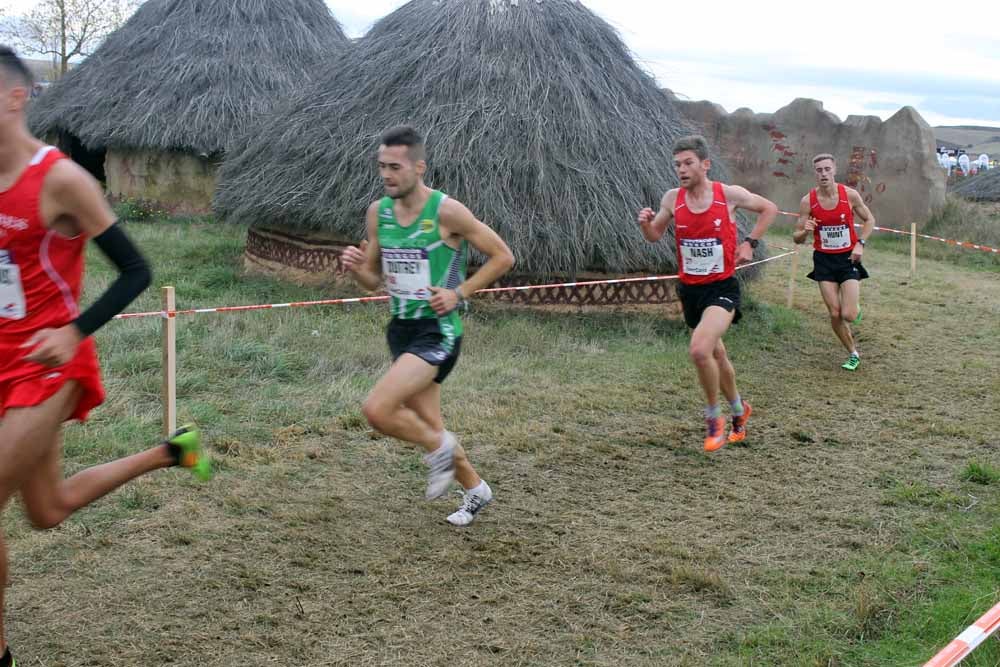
pixel 415 258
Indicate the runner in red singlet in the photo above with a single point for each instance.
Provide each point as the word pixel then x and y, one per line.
pixel 49 208
pixel 827 213
pixel 708 252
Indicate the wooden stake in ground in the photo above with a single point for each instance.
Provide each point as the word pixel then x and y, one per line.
pixel 169 361
pixel 791 278
pixel 913 249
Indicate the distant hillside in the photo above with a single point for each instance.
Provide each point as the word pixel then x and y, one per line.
pixel 974 139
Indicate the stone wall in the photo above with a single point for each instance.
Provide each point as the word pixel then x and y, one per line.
pixel 176 182
pixel 892 163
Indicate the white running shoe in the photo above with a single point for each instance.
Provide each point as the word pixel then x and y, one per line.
pixel 442 466
pixel 472 503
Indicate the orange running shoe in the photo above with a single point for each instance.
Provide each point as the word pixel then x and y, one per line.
pixel 716 436
pixel 739 432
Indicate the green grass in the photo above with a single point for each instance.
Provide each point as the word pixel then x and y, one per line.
pixel 856 525
pixel 958 220
pixel 981 473
pixel 890 605
pixel 966 221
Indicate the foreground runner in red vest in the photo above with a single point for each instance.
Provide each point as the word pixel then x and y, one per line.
pixel 49 374
pixel 708 252
pixel 827 213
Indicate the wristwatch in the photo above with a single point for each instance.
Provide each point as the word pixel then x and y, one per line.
pixel 752 241
pixel 861 241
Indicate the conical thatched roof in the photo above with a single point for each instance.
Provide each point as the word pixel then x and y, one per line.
pixel 535 114
pixel 190 75
pixel 985 186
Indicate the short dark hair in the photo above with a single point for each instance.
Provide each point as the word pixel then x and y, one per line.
pixel 405 135
pixel 824 156
pixel 13 68
pixel 694 142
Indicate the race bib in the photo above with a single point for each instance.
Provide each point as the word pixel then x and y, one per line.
pixel 835 237
pixel 702 257
pixel 12 306
pixel 407 273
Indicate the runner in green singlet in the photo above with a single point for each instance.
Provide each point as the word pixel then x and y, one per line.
pixel 417 249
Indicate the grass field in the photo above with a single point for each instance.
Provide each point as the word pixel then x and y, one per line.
pixel 958 220
pixel 858 526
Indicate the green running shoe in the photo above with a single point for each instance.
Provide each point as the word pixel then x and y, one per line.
pixel 857 320
pixel 185 444
pixel 852 363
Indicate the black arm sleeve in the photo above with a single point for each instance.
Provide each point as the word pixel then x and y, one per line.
pixel 134 276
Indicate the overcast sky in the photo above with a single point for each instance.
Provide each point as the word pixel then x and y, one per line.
pixel 859 58
pixel 868 58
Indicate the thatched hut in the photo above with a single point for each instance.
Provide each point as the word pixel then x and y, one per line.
pixel 154 109
pixel 985 186
pixel 536 116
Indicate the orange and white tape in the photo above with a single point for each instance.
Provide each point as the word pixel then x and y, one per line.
pixel 903 232
pixel 961 244
pixel 966 643
pixel 369 299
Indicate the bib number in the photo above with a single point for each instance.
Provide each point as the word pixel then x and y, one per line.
pixel 835 237
pixel 702 257
pixel 12 306
pixel 407 273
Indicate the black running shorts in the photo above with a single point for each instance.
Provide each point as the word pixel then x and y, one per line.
pixel 423 338
pixel 837 268
pixel 696 298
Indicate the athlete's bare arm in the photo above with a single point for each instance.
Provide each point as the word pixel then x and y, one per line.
pixel 805 224
pixel 457 222
pixel 740 197
pixel 365 262
pixel 654 226
pixel 867 221
pixel 72 204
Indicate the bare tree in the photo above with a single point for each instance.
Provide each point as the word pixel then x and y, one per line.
pixel 65 29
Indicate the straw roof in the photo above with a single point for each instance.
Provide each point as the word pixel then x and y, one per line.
pixel 190 75
pixel 535 113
